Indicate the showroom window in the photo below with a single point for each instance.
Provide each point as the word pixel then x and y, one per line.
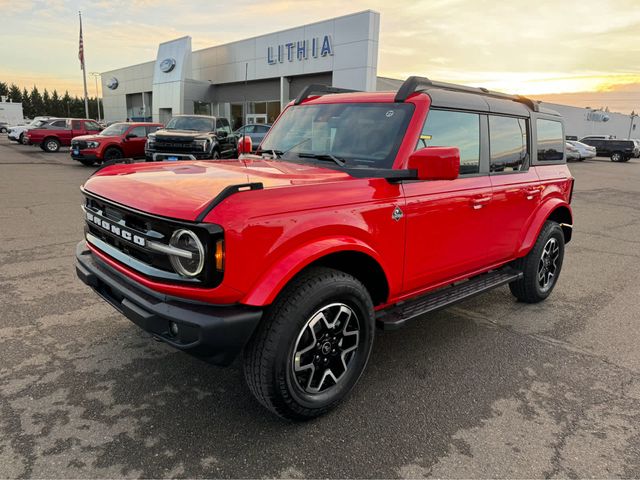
pixel 507 143
pixel 550 140
pixel 454 129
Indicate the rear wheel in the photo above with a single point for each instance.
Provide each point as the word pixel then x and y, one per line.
pixel 541 267
pixel 617 157
pixel 51 145
pixel 312 346
pixel 21 138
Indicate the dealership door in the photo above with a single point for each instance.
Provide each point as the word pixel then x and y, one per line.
pixel 165 115
pixel 260 118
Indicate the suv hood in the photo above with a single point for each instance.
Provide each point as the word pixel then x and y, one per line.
pixel 95 138
pixel 182 190
pixel 179 135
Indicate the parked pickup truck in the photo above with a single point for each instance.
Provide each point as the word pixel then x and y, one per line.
pixel 359 209
pixel 51 136
pixel 120 140
pixel 192 137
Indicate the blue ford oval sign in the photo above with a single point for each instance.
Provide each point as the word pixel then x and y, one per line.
pixel 167 64
pixel 112 83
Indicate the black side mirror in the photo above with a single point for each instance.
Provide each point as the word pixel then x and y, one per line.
pixel 222 134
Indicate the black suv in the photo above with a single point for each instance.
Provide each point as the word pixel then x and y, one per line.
pixel 618 150
pixel 192 137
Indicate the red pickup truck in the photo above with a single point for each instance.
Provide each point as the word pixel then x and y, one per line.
pixel 51 136
pixel 358 209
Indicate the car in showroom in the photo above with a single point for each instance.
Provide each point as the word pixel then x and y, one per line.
pixel 192 137
pixel 16 133
pixel 617 150
pixel 255 131
pixel 584 151
pixel 51 136
pixel 358 210
pixel 119 140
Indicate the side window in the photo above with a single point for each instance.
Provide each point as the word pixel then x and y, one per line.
pixel 507 143
pixel 550 144
pixel 59 124
pixel 152 129
pixel 222 125
pixel 92 126
pixel 139 132
pixel 454 129
pixel 262 129
pixel 75 124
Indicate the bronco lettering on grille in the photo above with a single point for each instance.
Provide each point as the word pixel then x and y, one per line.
pixel 116 230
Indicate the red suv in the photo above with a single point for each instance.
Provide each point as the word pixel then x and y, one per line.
pixel 359 209
pixel 59 132
pixel 120 140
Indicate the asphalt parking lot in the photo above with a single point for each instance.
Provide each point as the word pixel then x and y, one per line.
pixel 490 388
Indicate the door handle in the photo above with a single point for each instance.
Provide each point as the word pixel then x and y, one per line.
pixel 531 193
pixel 480 201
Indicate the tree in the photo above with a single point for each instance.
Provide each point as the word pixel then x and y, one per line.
pixel 36 102
pixel 46 102
pixel 14 93
pixel 66 104
pixel 26 104
pixel 56 105
pixel 4 90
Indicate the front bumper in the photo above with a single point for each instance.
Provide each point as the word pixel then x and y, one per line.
pixel 215 333
pixel 85 156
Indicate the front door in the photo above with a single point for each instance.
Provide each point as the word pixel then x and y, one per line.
pixel 449 222
pixel 133 147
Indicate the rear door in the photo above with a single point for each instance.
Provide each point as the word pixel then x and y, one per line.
pixel 516 187
pixel 448 222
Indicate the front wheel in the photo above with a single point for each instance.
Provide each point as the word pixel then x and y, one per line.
pixel 312 345
pixel 541 266
pixel 617 157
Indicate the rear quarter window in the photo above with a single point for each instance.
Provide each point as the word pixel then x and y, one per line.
pixel 550 144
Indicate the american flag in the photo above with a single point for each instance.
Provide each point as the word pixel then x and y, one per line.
pixel 81 48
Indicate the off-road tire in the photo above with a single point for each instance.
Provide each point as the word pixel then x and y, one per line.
pixel 51 145
pixel 269 355
pixel 112 153
pixel 528 288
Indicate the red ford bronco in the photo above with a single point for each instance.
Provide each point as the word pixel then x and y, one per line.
pixel 358 210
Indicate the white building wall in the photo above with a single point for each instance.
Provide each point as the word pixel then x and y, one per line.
pixel 134 79
pixel 11 113
pixel 579 123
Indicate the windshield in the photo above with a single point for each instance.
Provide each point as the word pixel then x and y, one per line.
pixel 114 130
pixel 361 134
pixel 199 124
pixel 38 123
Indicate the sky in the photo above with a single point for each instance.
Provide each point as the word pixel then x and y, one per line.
pixel 584 53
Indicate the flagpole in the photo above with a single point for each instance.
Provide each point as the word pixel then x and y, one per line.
pixel 84 71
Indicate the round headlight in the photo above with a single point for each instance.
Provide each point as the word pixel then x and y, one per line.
pixel 189 241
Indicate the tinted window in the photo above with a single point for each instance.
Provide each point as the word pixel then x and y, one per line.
pixel 92 126
pixel 138 132
pixel 507 143
pixel 75 124
pixel 222 125
pixel 261 129
pixel 454 129
pixel 550 140
pixel 59 124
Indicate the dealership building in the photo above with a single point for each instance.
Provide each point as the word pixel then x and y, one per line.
pixel 250 81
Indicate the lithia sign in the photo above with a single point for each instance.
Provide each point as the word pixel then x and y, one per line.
pixel 300 50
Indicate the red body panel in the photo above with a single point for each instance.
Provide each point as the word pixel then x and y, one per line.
pixel 450 229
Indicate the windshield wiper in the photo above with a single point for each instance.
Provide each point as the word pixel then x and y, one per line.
pixel 324 156
pixel 274 153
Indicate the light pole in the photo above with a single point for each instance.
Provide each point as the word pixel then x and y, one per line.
pixel 96 75
pixel 633 115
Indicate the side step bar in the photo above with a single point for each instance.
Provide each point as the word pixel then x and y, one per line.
pixel 396 316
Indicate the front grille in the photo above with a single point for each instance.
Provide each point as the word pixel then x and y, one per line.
pixel 81 144
pixel 177 147
pixel 111 223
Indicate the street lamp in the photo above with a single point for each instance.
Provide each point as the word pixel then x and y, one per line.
pixel 96 75
pixel 632 116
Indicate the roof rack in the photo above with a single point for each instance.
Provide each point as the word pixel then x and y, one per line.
pixel 414 84
pixel 316 88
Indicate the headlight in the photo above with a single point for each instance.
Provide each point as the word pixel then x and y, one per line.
pixel 189 241
pixel 151 139
pixel 93 144
pixel 202 143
